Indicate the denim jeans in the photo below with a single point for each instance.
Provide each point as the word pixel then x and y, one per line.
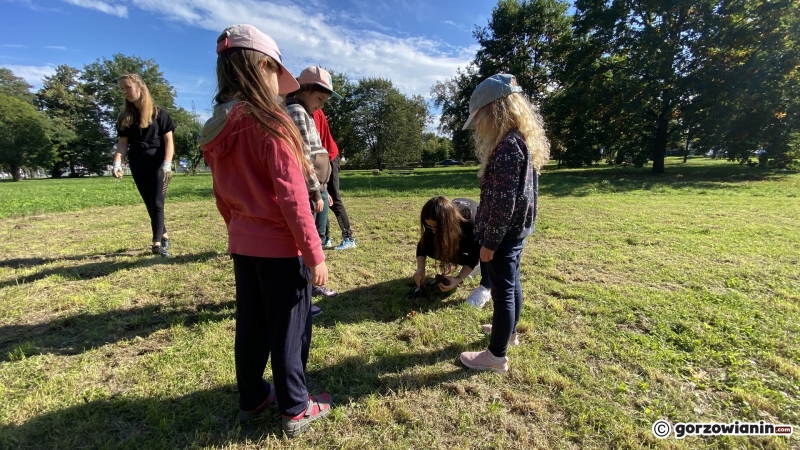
pixel 504 276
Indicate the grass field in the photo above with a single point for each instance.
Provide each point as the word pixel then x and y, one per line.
pixel 671 297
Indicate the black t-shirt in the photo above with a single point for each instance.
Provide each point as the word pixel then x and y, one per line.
pixel 147 141
pixel 468 248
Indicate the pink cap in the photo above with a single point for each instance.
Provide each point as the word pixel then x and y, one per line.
pixel 248 36
pixel 320 76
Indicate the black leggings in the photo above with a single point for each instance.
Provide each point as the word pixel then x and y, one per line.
pixel 144 169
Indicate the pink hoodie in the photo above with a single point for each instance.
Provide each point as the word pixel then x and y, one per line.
pixel 260 189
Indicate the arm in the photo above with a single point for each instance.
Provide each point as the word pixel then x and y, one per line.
pixel 121 152
pixel 508 163
pixel 169 147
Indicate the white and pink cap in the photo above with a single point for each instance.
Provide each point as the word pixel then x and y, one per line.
pixel 248 36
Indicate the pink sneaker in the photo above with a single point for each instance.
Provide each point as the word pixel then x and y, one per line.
pixel 484 361
pixel 487 329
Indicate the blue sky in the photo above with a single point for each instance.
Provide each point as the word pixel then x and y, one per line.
pixel 414 42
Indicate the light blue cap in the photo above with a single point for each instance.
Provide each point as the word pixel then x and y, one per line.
pixel 490 89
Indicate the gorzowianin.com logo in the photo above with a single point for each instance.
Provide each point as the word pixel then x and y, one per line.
pixel 662 429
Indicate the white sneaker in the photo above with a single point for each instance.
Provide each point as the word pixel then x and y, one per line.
pixel 479 297
pixel 487 329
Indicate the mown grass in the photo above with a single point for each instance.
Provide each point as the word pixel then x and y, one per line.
pixel 647 298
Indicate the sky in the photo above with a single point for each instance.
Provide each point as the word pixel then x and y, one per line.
pixel 414 43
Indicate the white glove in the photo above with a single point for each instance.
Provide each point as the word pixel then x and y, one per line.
pixel 166 170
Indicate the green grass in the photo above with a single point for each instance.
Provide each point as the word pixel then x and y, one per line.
pixel 672 297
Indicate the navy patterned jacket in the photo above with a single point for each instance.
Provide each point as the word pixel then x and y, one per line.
pixel 509 194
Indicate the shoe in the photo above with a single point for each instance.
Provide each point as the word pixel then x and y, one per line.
pixel 487 329
pixel 165 244
pixel 484 361
pixel 479 297
pixel 318 407
pixel 323 291
pixel 346 244
pixel 328 244
pixel 247 416
pixel 315 310
pixel 159 250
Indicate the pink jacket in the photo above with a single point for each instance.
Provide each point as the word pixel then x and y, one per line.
pixel 260 189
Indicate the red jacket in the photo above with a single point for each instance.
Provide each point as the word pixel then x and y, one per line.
pixel 325 134
pixel 260 189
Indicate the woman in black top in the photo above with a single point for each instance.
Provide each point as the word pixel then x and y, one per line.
pixel 145 136
pixel 447 235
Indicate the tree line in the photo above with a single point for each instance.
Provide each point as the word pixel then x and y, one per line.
pixel 628 80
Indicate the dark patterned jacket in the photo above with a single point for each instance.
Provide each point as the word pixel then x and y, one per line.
pixel 509 194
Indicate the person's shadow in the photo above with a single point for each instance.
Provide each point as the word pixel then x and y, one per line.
pixel 206 418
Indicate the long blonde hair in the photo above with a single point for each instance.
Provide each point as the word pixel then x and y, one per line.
pixel 129 109
pixel 240 78
pixel 495 120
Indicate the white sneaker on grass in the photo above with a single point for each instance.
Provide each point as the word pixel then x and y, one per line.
pixel 487 329
pixel 479 297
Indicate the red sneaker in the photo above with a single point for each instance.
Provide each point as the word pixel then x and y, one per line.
pixel 318 407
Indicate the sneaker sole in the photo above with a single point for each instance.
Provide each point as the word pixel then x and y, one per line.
pixel 297 428
pixel 499 370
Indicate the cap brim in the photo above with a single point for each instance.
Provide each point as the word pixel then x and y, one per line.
pixel 287 82
pixel 469 125
pixel 333 93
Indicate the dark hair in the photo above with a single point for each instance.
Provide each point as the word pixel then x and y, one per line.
pixel 311 87
pixel 448 229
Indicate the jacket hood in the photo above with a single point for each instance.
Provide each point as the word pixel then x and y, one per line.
pixel 216 123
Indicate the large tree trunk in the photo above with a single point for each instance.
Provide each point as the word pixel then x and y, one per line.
pixel 660 148
pixel 15 173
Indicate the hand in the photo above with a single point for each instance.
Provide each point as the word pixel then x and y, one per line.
pixel 330 201
pixel 486 254
pixel 117 170
pixel 319 274
pixel 320 205
pixel 419 277
pixel 166 170
pixel 454 282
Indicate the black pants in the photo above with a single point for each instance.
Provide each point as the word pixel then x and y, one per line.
pixel 144 169
pixel 273 299
pixel 337 207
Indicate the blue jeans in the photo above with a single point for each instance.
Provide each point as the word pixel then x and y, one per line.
pixel 321 218
pixel 503 272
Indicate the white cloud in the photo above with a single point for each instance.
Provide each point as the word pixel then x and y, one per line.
pixel 307 37
pixel 458 26
pixel 99 5
pixel 32 74
pixel 55 47
pixel 14 46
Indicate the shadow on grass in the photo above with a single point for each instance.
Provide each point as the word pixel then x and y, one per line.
pixel 39 261
pixel 382 302
pixel 83 332
pixel 95 269
pixel 208 417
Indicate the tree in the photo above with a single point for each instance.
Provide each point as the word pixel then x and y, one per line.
pixel 187 130
pixel 24 136
pixel 63 97
pixel 14 86
pixel 452 96
pixel 340 115
pixel 386 125
pixel 435 148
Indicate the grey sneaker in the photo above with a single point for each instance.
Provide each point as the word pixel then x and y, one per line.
pixel 318 407
pixel 159 250
pixel 346 244
pixel 328 244
pixel 323 291
pixel 165 243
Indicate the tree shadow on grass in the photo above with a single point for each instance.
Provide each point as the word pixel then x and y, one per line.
pixel 383 302
pixel 95 269
pixel 83 332
pixel 208 417
pixel 16 263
